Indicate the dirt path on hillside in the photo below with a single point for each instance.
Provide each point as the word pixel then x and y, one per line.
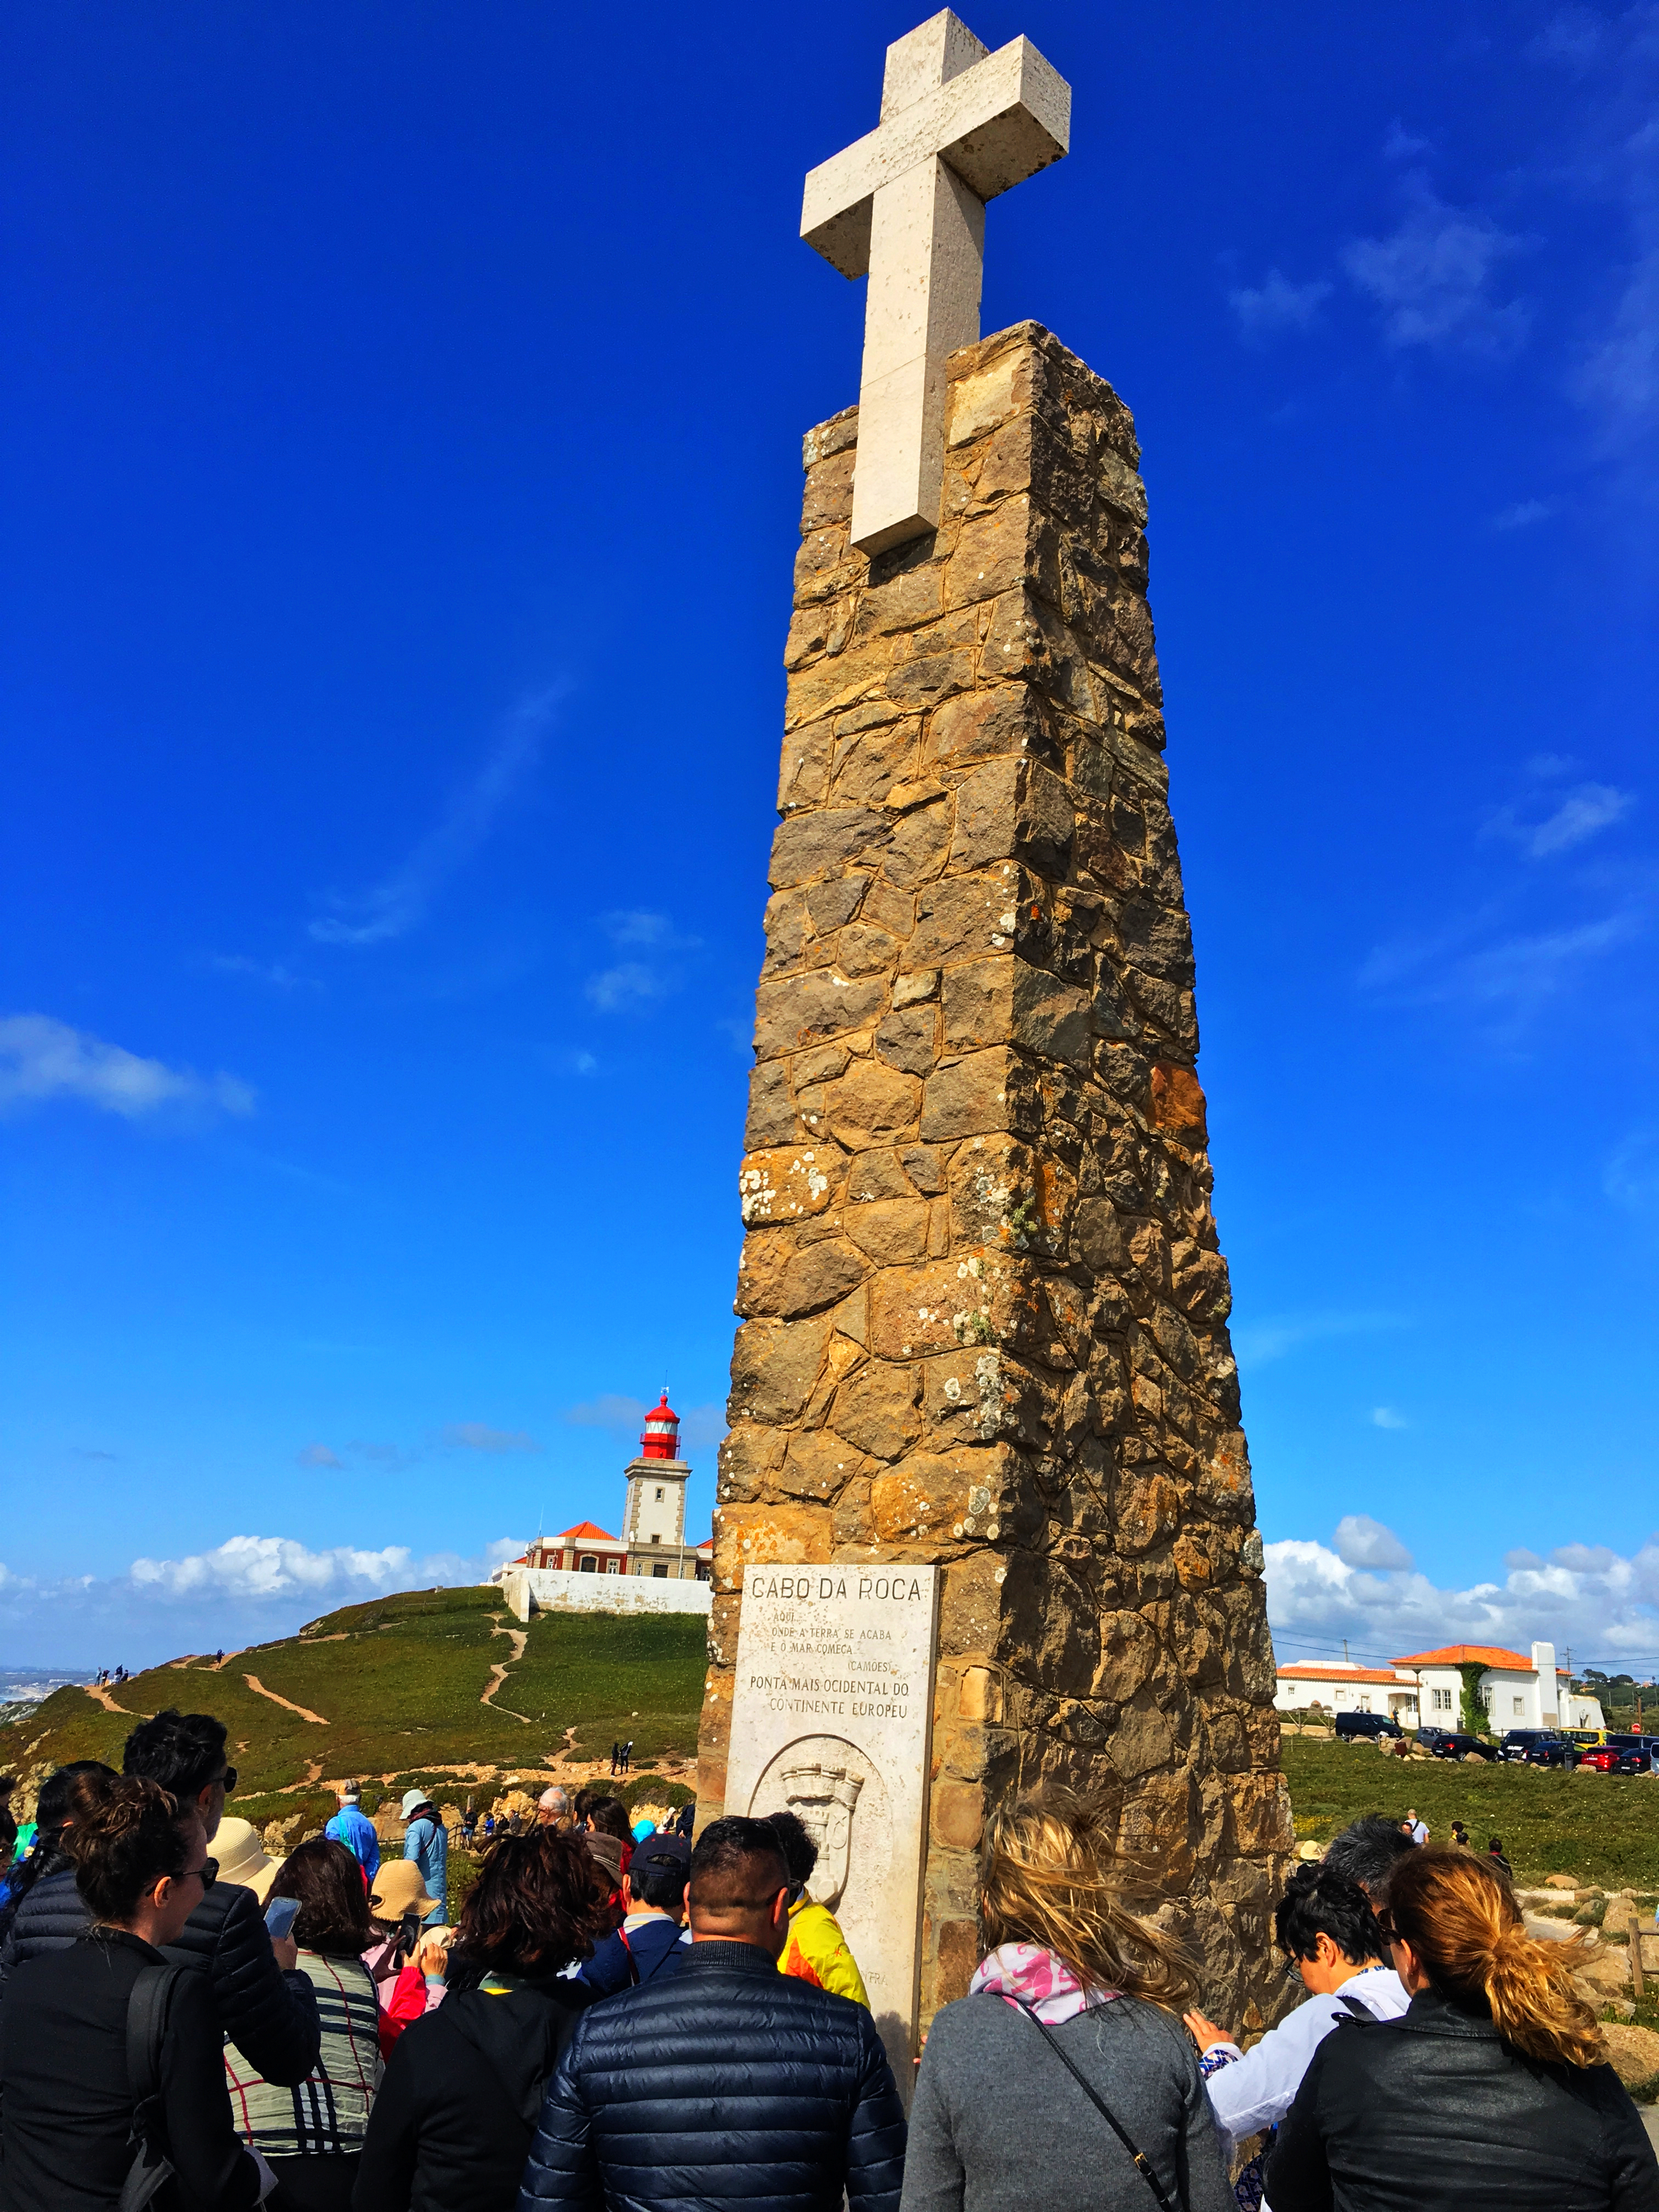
pixel 518 1637
pixel 101 1696
pixel 255 1684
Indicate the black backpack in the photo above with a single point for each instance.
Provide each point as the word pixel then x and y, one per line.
pixel 147 2007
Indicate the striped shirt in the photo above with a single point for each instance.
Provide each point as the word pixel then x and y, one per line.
pixel 327 2112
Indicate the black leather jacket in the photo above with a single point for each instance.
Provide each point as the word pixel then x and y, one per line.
pixel 725 2083
pixel 1435 2110
pixel 270 2016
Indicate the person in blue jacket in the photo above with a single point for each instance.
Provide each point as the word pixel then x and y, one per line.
pixel 352 1827
pixel 427 1842
pixel 649 1942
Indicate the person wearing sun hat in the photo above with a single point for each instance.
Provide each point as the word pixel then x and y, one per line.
pixel 402 1912
pixel 243 1858
pixel 426 1842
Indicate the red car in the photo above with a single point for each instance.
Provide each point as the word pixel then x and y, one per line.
pixel 1606 1758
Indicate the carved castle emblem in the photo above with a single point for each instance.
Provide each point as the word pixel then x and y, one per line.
pixel 824 1793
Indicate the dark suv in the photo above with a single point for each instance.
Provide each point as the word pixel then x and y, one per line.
pixel 1350 1725
pixel 1449 1743
pixel 1539 1747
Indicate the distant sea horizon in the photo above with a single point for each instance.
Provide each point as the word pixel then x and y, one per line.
pixel 27 1685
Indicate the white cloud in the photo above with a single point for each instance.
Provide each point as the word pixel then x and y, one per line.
pixel 1582 813
pixel 476 1436
pixel 1509 980
pixel 1573 36
pixel 584 1063
pixel 629 983
pixel 42 1058
pixel 1362 1542
pixel 1256 1343
pixel 1385 1417
pixel 272 1567
pixel 1401 145
pixel 1523 514
pixel 1275 304
pixel 1579 1595
pixel 320 1456
pixel 394 906
pixel 1618 377
pixel 1433 279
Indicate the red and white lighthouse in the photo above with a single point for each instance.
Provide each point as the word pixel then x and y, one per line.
pixel 661 1439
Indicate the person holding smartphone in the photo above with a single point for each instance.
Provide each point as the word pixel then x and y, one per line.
pixel 312 2134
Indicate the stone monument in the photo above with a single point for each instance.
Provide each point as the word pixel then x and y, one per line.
pixel 984 1310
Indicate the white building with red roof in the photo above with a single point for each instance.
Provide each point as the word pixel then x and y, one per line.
pixel 1425 1689
pixel 553 1573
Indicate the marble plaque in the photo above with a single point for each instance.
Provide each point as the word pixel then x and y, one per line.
pixel 830 1718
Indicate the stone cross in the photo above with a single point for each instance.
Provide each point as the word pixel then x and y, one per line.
pixel 905 205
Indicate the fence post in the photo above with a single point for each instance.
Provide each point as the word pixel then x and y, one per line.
pixel 1636 1957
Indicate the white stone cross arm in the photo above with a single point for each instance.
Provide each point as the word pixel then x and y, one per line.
pixel 906 205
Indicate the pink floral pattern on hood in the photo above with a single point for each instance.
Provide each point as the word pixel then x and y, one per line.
pixel 1025 1974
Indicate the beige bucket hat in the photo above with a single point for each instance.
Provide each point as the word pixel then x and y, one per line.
pixel 242 1857
pixel 397 1888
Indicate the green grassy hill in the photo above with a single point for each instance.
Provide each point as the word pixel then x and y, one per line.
pixel 1603 1827
pixel 396 1690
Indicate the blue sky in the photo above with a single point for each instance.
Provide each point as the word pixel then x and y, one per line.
pixel 400 475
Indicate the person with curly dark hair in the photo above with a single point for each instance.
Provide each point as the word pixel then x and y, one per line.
pixel 457 2108
pixel 72 2108
pixel 312 2134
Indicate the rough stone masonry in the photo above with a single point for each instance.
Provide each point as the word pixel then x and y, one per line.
pixel 984 1314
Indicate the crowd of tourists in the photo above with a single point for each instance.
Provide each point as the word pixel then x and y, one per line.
pixel 621 2018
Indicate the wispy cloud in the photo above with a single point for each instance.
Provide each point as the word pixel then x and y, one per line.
pixel 391 908
pixel 1257 1343
pixel 274 1567
pixel 1575 817
pixel 1403 145
pixel 1523 514
pixel 1385 1417
pixel 1630 1178
pixel 1275 306
pixel 320 1456
pixel 41 1058
pixel 637 982
pixel 271 972
pixel 478 1436
pixel 1434 279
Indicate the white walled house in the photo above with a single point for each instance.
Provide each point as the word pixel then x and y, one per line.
pixel 1425 1689
pixel 1342 1689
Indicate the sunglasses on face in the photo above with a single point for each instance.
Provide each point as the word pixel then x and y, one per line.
pixel 207 1873
pixel 228 1780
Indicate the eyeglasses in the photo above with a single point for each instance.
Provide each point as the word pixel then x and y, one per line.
pixel 228 1778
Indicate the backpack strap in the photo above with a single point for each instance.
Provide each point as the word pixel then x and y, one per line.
pixel 1143 2166
pixel 147 2006
pixel 633 1963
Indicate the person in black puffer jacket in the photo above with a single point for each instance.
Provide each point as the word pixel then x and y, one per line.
pixel 728 2083
pixel 1491 2094
pixel 45 1911
pixel 457 2104
pixel 268 2009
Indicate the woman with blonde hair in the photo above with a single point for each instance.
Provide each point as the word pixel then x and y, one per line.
pixel 1064 2078
pixel 1491 2094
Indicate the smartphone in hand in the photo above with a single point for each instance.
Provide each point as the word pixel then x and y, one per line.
pixel 281 1914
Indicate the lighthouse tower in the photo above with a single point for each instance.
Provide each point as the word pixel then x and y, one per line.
pixel 653 1520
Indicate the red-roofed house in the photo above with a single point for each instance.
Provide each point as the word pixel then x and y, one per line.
pixel 1425 1689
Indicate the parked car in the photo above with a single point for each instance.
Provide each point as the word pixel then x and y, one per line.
pixel 1453 1744
pixel 1352 1726
pixel 1539 1747
pixel 1607 1759
pixel 1641 1748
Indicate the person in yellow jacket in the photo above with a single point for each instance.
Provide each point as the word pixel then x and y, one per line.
pixel 815 1950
